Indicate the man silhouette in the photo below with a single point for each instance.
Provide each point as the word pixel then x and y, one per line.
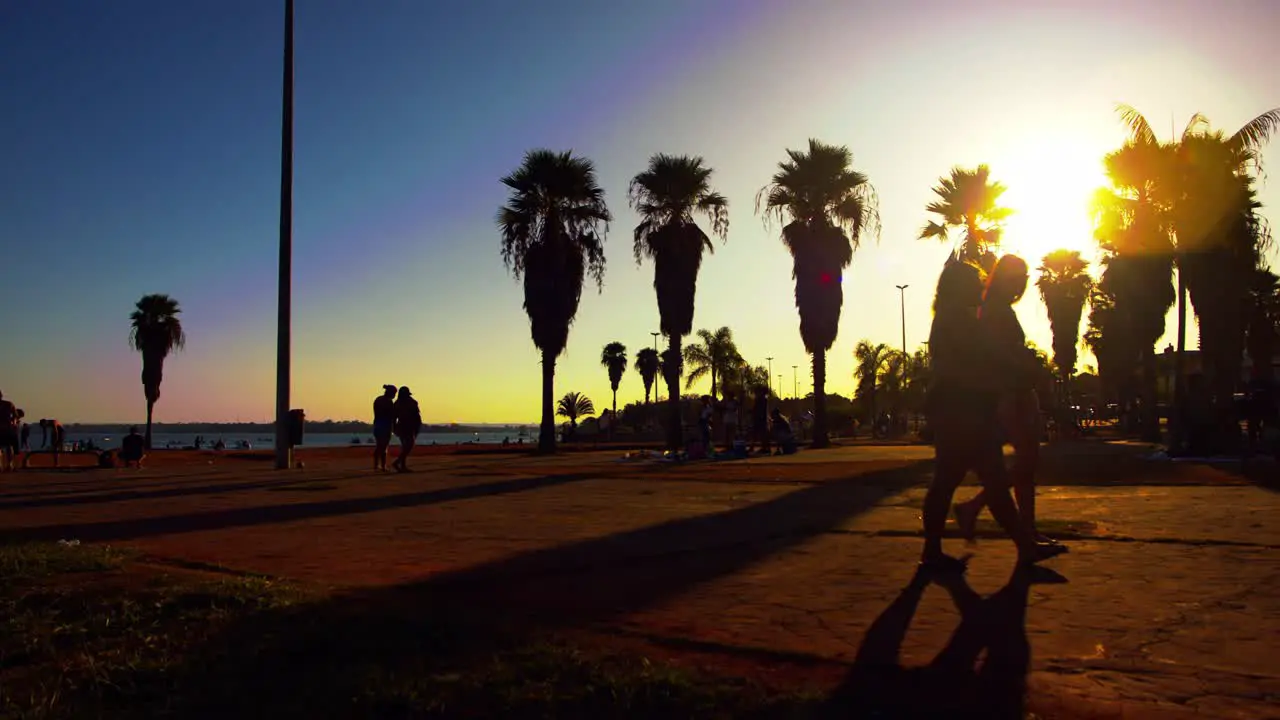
pixel 8 433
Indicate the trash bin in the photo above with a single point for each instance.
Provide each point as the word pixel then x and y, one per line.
pixel 297 418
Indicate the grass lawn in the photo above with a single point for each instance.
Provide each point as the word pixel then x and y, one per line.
pixel 90 631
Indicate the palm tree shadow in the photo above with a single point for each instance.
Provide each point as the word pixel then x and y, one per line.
pixel 951 685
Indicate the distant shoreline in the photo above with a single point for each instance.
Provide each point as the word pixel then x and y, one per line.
pixel 324 426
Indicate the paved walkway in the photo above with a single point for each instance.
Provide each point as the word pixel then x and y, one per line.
pixel 1167 606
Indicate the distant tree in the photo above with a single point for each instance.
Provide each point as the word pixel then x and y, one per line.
pixel 969 199
pixel 825 207
pixel 716 356
pixel 1064 285
pixel 614 359
pixel 155 331
pixel 575 405
pixel 553 227
pixel 870 361
pixel 647 365
pixel 667 195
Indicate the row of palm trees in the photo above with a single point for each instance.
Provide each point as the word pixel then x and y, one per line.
pixel 555 220
pixel 1188 203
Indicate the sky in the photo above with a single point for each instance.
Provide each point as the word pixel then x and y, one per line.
pixel 140 153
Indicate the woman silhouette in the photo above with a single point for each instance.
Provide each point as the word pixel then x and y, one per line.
pixel 408 421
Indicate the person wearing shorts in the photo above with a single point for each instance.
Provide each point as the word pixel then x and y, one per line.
pixel 8 434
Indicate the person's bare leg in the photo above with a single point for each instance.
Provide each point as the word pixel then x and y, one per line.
pixel 406 447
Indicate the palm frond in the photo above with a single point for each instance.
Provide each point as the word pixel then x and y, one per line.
pixel 1139 129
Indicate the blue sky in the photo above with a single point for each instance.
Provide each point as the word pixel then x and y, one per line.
pixel 141 154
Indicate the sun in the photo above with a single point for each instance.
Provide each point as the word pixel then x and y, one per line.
pixel 1051 180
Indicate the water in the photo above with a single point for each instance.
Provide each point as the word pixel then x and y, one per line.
pixel 264 441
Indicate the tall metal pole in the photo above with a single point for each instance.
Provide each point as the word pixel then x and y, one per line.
pixel 657 392
pixel 902 303
pixel 795 383
pixel 770 374
pixel 284 451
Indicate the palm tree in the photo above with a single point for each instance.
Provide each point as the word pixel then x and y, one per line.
pixel 155 332
pixel 825 207
pixel 1264 324
pixel 575 405
pixel 869 365
pixel 647 366
pixel 1064 285
pixel 667 194
pixel 716 356
pixel 553 228
pixel 969 199
pixel 614 358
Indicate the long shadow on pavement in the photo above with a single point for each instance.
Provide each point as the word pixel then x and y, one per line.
pixel 117 530
pixel 952 685
pixel 312 659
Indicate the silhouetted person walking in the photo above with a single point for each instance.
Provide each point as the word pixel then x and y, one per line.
pixel 963 399
pixel 408 421
pixel 384 416
pixel 53 436
pixel 760 419
pixel 1019 408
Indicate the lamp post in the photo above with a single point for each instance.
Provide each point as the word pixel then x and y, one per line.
pixel 795 383
pixel 284 452
pixel 657 391
pixel 770 360
pixel 902 304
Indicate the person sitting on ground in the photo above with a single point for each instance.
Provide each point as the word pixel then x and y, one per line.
pixel 783 437
pixel 133 448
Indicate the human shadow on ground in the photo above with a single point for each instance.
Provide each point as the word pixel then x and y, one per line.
pixel 311 659
pixel 98 496
pixel 953 684
pixel 132 529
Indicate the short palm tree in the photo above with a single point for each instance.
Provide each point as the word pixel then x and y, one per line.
pixel 575 405
pixel 553 228
pixel 716 356
pixel 667 194
pixel 870 361
pixel 1064 285
pixel 155 332
pixel 825 207
pixel 614 359
pixel 968 199
pixel 647 366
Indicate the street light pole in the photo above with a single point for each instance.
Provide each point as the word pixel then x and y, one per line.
pixel 657 394
pixel 770 359
pixel 902 304
pixel 795 383
pixel 284 451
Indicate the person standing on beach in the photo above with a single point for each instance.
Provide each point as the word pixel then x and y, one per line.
pixel 408 421
pixel 384 414
pixel 8 434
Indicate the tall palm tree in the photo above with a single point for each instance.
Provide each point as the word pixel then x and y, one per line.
pixel 1133 227
pixel 614 359
pixel 553 227
pixel 1206 190
pixel 155 331
pixel 825 207
pixel 575 405
pixel 870 361
pixel 1064 285
pixel 716 356
pixel 647 365
pixel 967 198
pixel 667 194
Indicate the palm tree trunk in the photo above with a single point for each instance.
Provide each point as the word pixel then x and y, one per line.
pixel 1150 413
pixel 547 434
pixel 613 418
pixel 1179 369
pixel 150 406
pixel 820 399
pixel 675 428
